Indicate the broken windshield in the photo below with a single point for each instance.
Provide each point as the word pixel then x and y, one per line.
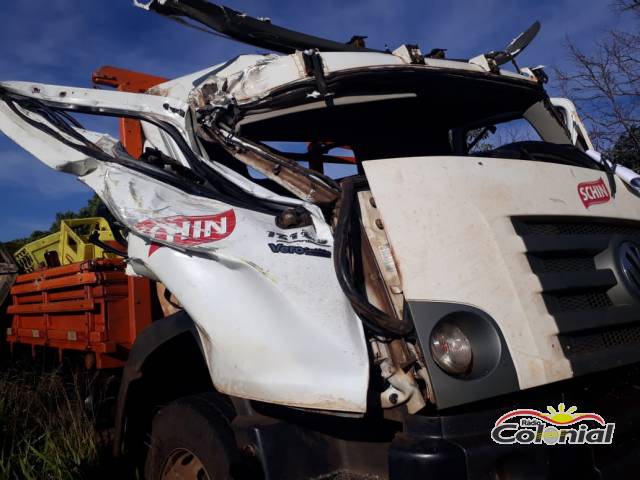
pixel 404 112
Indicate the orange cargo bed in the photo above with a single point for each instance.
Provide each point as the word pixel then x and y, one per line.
pixel 90 306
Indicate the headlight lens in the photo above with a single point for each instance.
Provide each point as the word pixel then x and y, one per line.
pixel 451 349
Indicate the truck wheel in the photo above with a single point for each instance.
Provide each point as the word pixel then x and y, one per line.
pixel 192 440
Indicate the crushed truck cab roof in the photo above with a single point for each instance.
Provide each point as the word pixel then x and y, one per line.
pixel 252 77
pixel 296 281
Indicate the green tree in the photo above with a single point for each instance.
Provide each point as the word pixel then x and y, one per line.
pixel 605 85
pixel 626 151
pixel 91 209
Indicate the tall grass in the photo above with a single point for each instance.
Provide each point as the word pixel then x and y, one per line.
pixel 45 431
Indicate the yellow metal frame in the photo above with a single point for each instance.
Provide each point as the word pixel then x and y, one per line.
pixel 71 244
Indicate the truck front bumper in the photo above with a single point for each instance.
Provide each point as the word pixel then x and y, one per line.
pixel 458 444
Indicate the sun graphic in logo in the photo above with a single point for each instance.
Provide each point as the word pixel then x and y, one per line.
pixel 561 416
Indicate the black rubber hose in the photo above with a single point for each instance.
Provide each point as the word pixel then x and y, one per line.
pixel 94 238
pixel 246 29
pixel 232 194
pixel 373 318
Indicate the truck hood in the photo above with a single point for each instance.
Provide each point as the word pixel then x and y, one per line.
pixel 532 246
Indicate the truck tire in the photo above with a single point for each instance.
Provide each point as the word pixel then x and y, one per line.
pixel 192 440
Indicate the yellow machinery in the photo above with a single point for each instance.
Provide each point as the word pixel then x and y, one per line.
pixel 70 245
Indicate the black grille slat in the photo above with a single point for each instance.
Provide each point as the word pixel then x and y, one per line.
pixel 577 322
pixel 597 329
pixel 573 281
pixel 602 350
pixel 606 357
pixel 576 302
pixel 561 252
pixel 563 264
pixel 575 345
pixel 588 227
pixel 567 244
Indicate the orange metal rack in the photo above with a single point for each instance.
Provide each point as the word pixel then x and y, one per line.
pixel 91 306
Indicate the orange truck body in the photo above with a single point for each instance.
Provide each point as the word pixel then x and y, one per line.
pixel 90 306
pixel 131 135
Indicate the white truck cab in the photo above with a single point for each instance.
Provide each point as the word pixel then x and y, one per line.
pixel 375 324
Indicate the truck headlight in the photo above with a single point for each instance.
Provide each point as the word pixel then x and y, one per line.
pixel 451 349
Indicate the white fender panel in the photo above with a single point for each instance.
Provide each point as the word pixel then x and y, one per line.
pixel 276 326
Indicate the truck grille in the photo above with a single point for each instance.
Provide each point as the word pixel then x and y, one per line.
pixel 588 343
pixel 578 227
pixel 598 320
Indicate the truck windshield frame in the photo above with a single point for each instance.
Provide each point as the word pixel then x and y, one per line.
pixel 391 112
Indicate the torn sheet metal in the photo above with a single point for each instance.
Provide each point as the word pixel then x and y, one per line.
pixel 62 157
pixel 251 77
pixel 247 283
pixel 42 146
pixel 274 322
pixel 168 110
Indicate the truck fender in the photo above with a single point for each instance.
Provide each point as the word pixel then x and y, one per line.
pixel 178 329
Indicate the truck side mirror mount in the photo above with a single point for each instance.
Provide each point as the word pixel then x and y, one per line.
pixel 569 114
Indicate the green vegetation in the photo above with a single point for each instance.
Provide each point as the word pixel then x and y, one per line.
pixel 45 431
pixel 626 151
pixel 91 209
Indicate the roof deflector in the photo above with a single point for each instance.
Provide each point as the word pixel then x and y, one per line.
pixel 238 26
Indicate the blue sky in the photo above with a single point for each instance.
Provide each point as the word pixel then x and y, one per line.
pixel 63 41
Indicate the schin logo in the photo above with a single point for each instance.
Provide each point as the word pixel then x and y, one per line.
pixel 188 230
pixel 592 193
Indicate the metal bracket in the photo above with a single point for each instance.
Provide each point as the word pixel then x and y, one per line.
pixel 313 67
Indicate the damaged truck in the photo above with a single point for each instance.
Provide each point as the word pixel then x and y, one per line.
pixel 371 257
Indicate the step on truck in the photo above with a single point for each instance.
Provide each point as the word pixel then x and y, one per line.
pixel 382 264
